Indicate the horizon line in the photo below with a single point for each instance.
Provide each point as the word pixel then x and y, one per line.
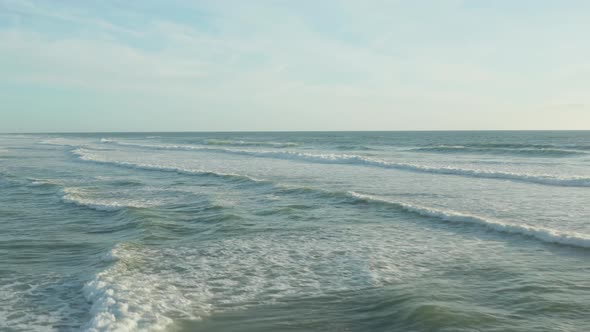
pixel 292 131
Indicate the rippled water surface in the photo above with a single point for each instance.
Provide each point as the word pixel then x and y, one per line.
pixel 380 231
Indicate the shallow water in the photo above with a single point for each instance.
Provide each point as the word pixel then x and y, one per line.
pixel 335 231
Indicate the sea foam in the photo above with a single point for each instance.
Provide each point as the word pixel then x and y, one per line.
pixel 86 155
pixel 542 234
pixel 351 159
pixel 124 298
pixel 78 196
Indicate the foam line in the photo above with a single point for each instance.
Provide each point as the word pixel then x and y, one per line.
pixel 542 234
pixel 85 155
pixel 330 158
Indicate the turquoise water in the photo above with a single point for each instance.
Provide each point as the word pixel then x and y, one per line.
pixel 380 231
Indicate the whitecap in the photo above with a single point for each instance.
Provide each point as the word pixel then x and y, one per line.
pixel 543 234
pixel 80 197
pixel 86 155
pixel 351 159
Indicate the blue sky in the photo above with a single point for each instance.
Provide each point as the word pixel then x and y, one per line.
pixel 131 65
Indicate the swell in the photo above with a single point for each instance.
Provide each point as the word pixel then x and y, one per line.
pixel 85 155
pixel 218 142
pixel 76 196
pixel 351 147
pixel 250 143
pixel 35 182
pixel 62 142
pixel 532 152
pixel 81 197
pixel 542 234
pixel 373 162
pixel 528 146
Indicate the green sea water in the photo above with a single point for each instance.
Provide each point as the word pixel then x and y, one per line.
pixel 317 231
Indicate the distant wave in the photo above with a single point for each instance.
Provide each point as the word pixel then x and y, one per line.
pixel 533 152
pixel 528 146
pixel 578 147
pixel 542 234
pixel 84 154
pixel 517 146
pixel 350 147
pixel 217 142
pixel 62 142
pixel 44 182
pixel 373 162
pixel 512 145
pixel 76 196
pixel 121 181
pixel 250 143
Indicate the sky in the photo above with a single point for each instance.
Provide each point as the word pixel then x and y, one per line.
pixel 261 65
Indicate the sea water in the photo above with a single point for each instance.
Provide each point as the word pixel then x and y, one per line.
pixel 306 231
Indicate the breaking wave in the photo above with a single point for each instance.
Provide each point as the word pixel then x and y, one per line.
pixel 330 158
pixel 77 196
pixel 542 234
pixel 85 155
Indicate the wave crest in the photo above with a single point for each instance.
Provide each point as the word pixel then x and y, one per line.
pixel 77 196
pixel 120 297
pixel 542 234
pixel 85 155
pixel 250 143
pixel 331 158
pixel 527 152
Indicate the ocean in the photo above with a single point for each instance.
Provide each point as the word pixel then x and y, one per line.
pixel 295 231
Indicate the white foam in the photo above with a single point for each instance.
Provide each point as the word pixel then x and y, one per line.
pixel 88 156
pixel 543 234
pixel 44 182
pixel 126 298
pixel 331 158
pixel 79 197
pixel 150 287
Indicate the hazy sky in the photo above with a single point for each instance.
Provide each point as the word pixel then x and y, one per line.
pixel 145 65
